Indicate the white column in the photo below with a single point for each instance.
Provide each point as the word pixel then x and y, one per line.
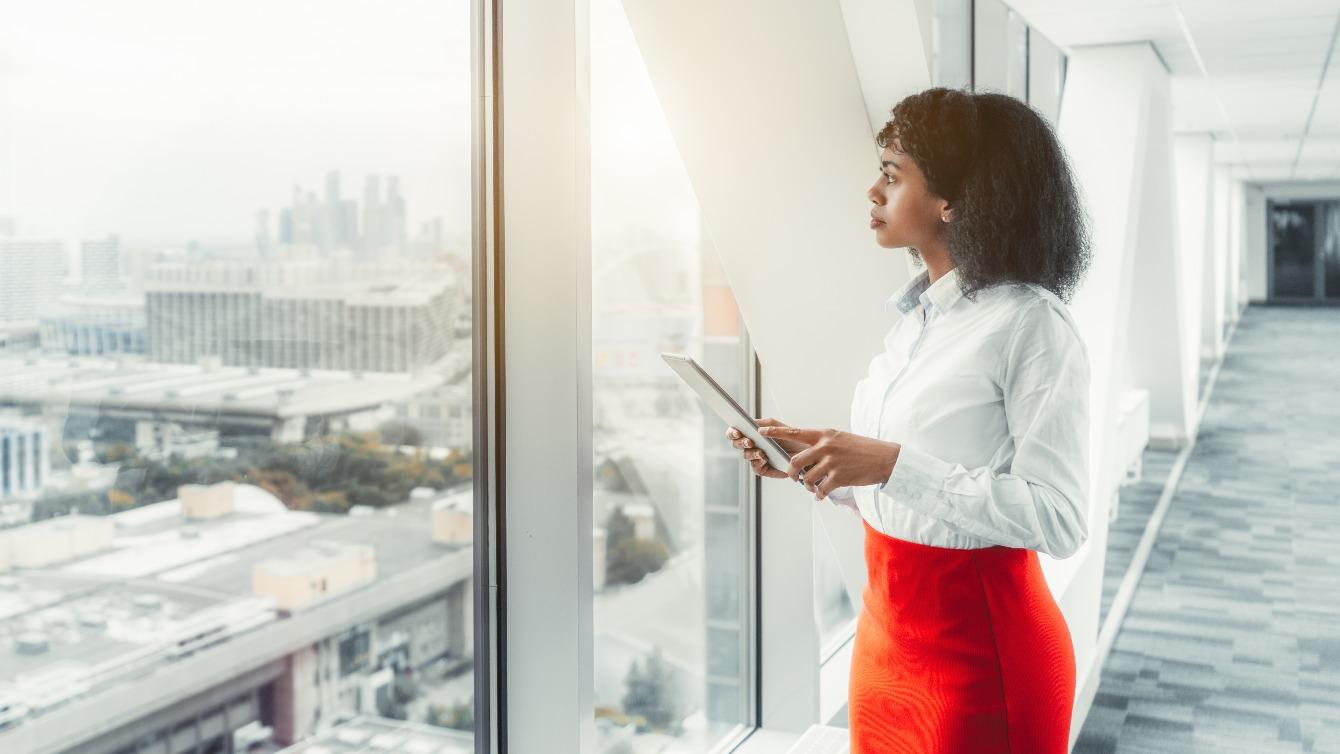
pixel 546 367
pixel 1114 125
pixel 1194 168
pixel 1232 273
pixel 1216 268
pixel 1253 257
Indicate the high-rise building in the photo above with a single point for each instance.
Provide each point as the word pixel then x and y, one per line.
pixel 263 247
pixel 100 264
pixel 25 462
pixel 89 325
pixel 329 223
pixel 30 276
pixel 302 315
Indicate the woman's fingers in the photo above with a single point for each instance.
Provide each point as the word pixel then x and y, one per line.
pixel 825 486
pixel 800 460
pixel 815 473
pixel 763 469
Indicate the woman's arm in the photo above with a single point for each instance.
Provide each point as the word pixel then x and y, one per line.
pixel 1041 503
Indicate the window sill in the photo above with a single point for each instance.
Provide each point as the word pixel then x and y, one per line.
pixel 765 741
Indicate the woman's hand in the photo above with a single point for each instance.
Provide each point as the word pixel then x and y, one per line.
pixel 833 459
pixel 757 460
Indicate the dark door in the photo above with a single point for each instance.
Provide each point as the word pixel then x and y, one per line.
pixel 1328 244
pixel 1293 245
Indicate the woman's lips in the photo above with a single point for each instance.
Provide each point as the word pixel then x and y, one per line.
pixel 874 223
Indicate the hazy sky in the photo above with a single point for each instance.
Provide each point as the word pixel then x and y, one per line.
pixel 178 119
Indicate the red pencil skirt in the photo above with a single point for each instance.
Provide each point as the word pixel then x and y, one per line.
pixel 958 651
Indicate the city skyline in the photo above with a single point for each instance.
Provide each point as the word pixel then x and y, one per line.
pixel 172 137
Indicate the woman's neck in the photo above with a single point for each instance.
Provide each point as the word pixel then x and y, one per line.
pixel 937 262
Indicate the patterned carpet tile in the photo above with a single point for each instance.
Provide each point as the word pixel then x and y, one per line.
pixel 1232 640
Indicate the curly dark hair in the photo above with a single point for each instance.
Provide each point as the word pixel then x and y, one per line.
pixel 1017 211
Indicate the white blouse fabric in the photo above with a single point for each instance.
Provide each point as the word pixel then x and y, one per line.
pixel 989 400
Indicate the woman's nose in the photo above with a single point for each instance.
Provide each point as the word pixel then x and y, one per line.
pixel 874 194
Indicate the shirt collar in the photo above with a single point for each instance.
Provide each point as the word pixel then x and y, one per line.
pixel 941 295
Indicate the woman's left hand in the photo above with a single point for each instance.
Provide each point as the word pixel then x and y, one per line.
pixel 836 459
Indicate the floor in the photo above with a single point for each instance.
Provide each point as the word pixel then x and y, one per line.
pixel 1232 641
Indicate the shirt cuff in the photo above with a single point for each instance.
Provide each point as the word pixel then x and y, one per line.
pixel 918 480
pixel 844 497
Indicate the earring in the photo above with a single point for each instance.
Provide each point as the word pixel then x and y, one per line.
pixel 944 218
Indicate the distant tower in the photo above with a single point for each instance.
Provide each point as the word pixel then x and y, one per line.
pixel 30 276
pixel 374 235
pixel 397 232
pixel 100 264
pixel 330 231
pixel 263 233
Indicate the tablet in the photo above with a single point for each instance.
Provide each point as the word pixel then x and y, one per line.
pixel 725 406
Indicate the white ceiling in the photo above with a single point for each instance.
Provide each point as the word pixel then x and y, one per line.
pixel 1262 92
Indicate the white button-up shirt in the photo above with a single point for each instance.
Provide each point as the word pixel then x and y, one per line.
pixel 989 400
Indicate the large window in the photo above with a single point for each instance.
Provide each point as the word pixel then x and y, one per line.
pixel 235 376
pixel 1046 76
pixel 672 597
pixel 951 44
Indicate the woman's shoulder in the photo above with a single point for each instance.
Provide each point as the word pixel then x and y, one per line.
pixel 1021 312
pixel 1026 301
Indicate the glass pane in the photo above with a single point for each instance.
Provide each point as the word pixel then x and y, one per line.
pixel 1330 248
pixel 1293 238
pixel 951 40
pixel 1016 41
pixel 1046 64
pixel 235 384
pixel 832 604
pixel 671 643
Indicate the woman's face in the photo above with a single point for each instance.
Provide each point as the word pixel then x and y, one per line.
pixel 906 213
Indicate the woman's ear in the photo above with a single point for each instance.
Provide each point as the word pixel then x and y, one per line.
pixel 946 212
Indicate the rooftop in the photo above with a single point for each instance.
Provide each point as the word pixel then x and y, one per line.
pixel 165 578
pixel 368 734
pixel 133 383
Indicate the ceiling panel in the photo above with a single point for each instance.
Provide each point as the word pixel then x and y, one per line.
pixel 1263 60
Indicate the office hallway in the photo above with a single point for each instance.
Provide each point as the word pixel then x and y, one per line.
pixel 1232 641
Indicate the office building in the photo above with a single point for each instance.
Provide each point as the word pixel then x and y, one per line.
pixel 25 458
pixel 31 272
pixel 301 315
pixel 100 265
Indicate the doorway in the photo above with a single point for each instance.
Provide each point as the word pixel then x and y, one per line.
pixel 1303 239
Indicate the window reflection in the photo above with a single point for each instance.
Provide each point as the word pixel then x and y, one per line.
pixel 670 601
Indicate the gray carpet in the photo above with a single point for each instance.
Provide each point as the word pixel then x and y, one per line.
pixel 1232 641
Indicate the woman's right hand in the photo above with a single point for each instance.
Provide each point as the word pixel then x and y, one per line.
pixel 756 458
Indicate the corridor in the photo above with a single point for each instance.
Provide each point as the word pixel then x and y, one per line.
pixel 1232 641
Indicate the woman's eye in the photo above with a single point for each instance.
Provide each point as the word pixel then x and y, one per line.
pixel 888 178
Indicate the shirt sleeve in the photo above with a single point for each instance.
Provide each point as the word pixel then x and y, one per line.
pixel 1041 502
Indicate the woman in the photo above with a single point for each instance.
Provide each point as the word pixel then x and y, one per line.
pixel 967 454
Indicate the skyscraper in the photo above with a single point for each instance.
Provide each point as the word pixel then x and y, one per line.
pixel 30 276
pixel 100 264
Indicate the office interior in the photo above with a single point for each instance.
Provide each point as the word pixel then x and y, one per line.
pixel 332 412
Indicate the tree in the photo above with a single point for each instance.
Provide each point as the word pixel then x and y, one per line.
pixel 649 693
pixel 397 433
pixel 460 715
pixel 633 559
pixel 629 559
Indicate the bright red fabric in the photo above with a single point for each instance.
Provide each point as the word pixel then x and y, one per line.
pixel 958 652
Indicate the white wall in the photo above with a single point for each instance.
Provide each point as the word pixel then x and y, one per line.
pixel 1194 168
pixel 1162 339
pixel 1251 263
pixel 1216 268
pixel 1114 124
